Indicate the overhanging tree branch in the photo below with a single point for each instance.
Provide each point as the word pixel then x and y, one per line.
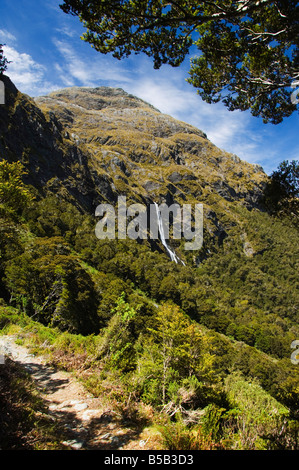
pixel 253 42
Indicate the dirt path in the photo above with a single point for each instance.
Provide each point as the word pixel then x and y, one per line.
pixel 86 423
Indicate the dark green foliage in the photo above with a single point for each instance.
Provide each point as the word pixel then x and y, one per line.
pixel 243 297
pixel 175 363
pixel 117 349
pixel 3 60
pixel 247 51
pixel 282 191
pixel 48 283
pixel 15 196
pixel 173 336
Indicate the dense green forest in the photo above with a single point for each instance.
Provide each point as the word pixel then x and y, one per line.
pixel 207 347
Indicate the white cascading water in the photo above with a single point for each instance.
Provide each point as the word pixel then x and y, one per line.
pixel 172 255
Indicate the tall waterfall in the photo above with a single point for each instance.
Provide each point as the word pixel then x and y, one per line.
pixel 172 255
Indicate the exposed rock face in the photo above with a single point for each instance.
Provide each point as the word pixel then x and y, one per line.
pixel 92 144
pixel 38 140
pixel 128 138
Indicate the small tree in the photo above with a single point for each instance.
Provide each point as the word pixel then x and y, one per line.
pixel 14 194
pixel 282 190
pixel 182 352
pixel 117 348
pixel 3 60
pixel 57 289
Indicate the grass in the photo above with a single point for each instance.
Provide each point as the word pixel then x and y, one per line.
pixel 176 436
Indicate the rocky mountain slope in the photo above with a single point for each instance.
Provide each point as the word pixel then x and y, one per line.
pixel 116 138
pixel 146 152
pixel 93 145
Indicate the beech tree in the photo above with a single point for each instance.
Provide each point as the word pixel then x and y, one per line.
pixel 282 191
pixel 246 51
pixel 182 347
pixel 3 60
pixel 14 194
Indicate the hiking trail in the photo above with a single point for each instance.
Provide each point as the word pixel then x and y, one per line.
pixel 86 422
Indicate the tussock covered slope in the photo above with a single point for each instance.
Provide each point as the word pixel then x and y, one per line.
pixel 147 153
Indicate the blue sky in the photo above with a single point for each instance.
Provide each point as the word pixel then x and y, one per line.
pixel 47 54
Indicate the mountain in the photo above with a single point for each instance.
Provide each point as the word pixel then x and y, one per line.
pixel 82 147
pixel 117 142
pixel 127 139
pixel 92 145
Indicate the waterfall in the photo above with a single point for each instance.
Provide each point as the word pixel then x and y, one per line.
pixel 172 255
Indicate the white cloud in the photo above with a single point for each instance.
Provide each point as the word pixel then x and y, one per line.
pixel 88 72
pixel 66 80
pixel 29 76
pixel 6 36
pixel 66 31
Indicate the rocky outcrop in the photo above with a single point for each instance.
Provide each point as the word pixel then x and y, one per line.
pixel 53 161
